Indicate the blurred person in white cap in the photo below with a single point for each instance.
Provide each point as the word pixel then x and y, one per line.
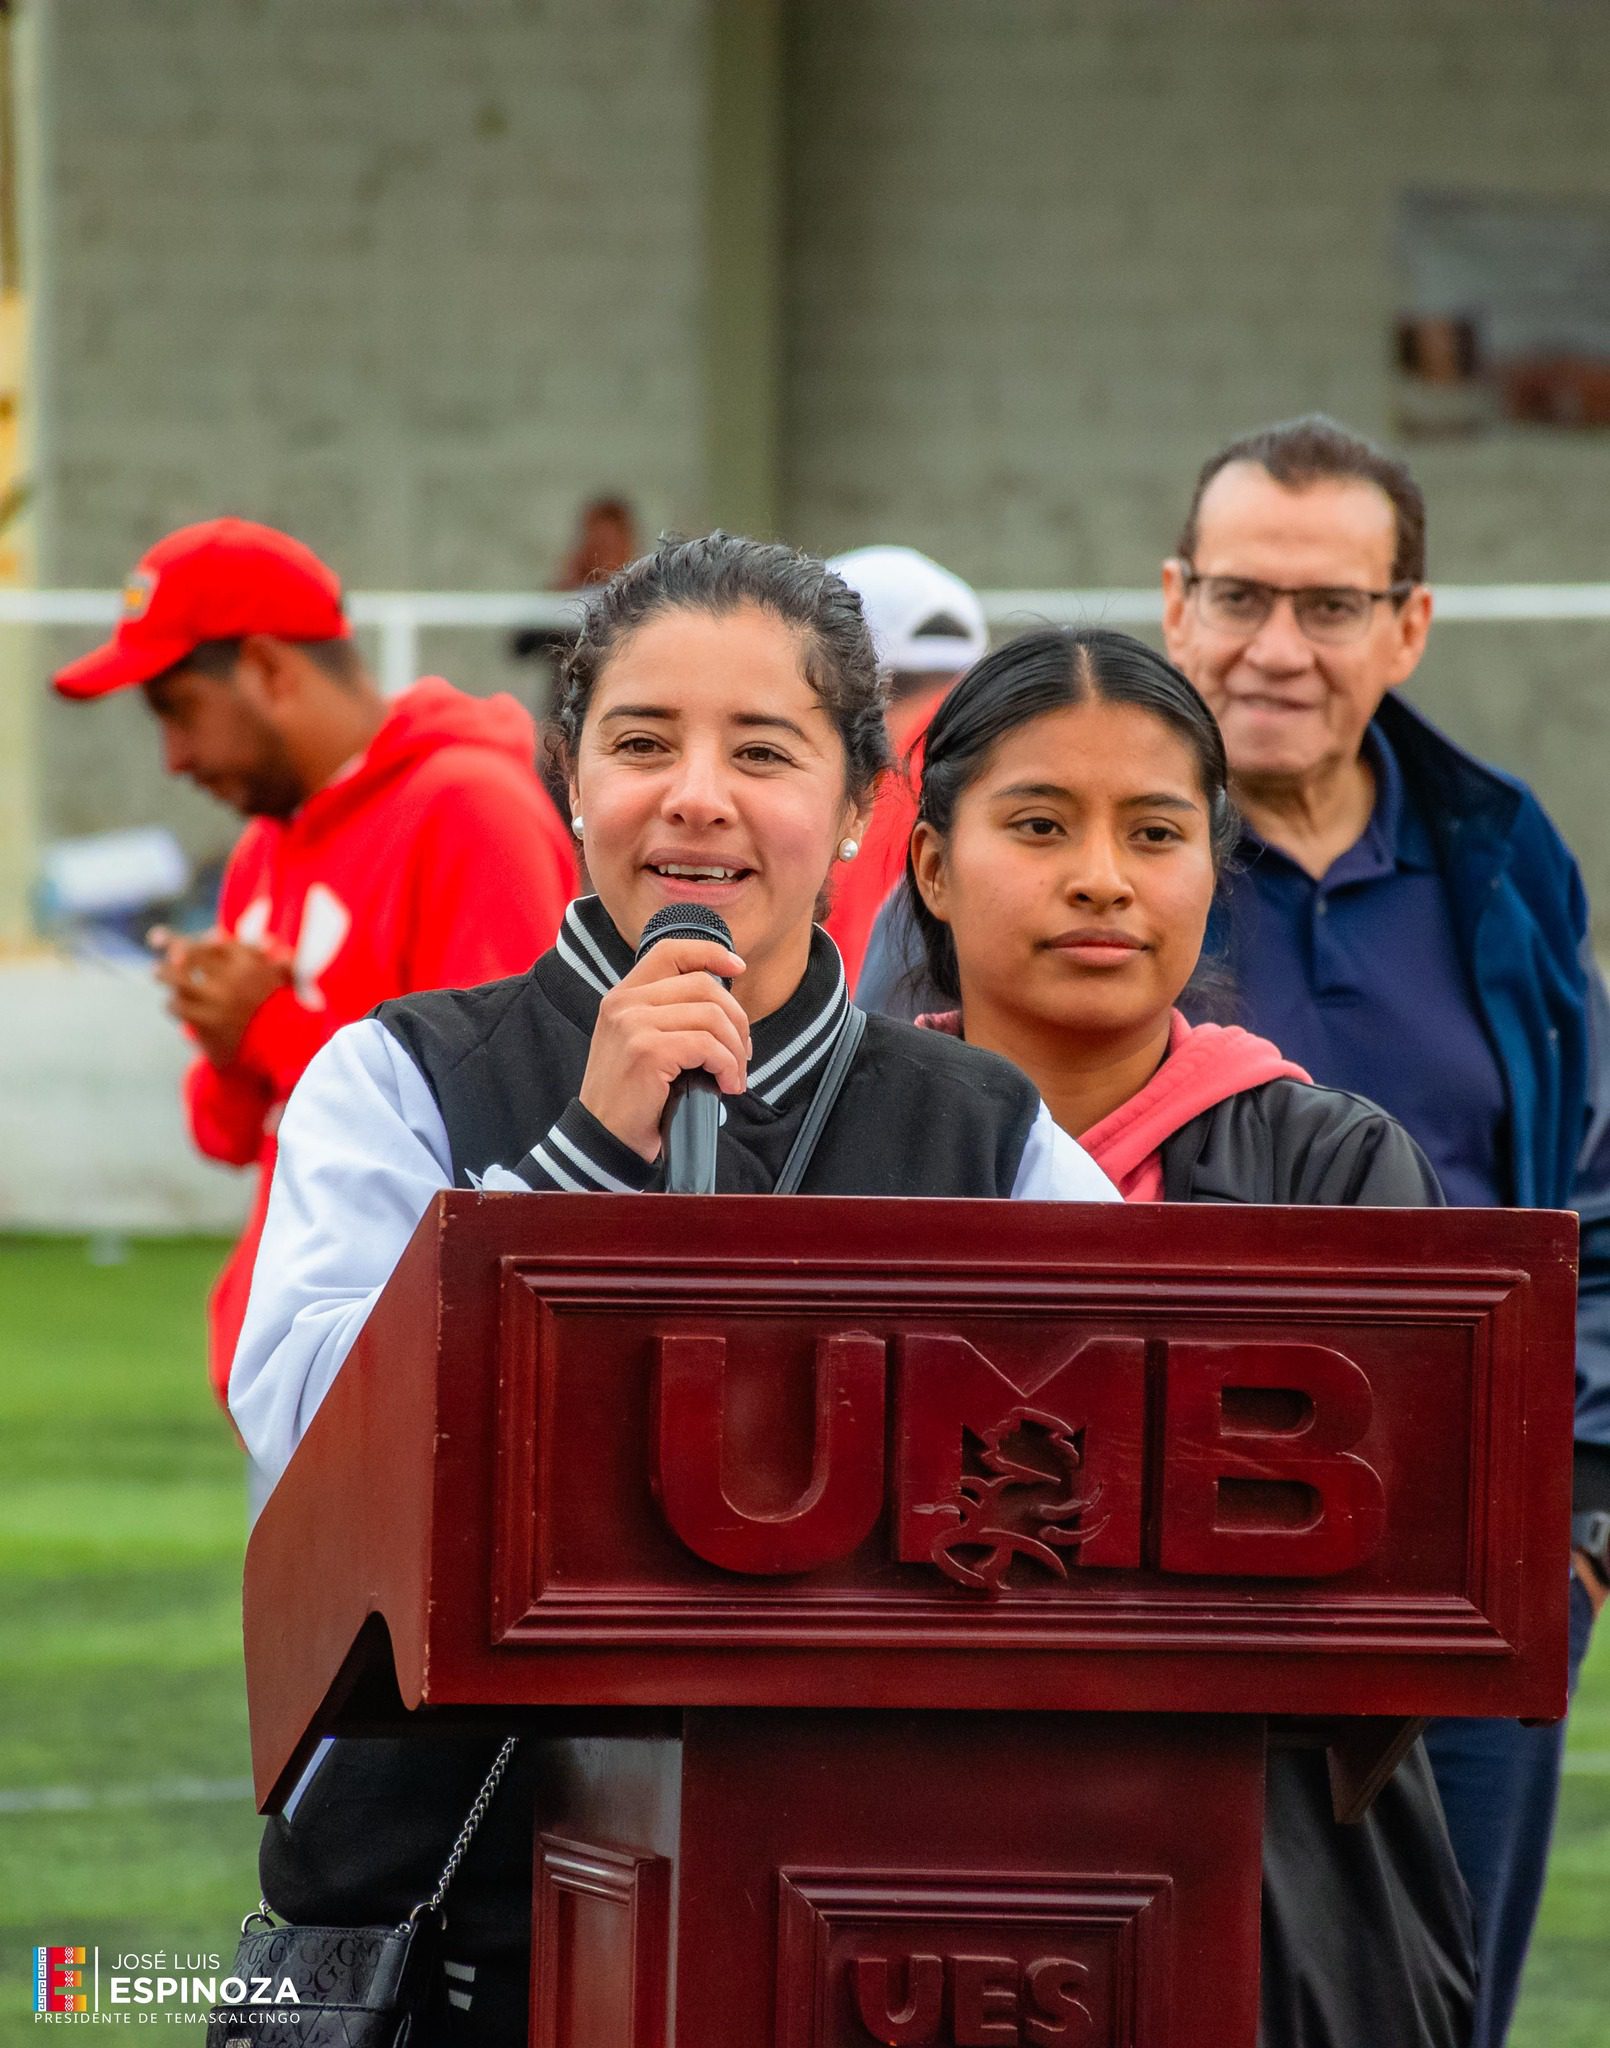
pixel 927 626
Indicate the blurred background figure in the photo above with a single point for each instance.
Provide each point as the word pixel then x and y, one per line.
pixel 392 847
pixel 1405 922
pixel 606 540
pixel 928 626
pixel 607 537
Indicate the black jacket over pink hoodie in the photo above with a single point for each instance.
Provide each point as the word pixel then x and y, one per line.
pixel 1367 1938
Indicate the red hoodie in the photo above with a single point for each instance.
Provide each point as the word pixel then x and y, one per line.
pixel 863 884
pixel 436 860
pixel 1205 1065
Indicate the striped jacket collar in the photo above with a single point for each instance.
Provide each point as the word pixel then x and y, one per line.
pixel 590 957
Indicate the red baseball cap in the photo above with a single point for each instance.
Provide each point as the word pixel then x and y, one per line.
pixel 219 580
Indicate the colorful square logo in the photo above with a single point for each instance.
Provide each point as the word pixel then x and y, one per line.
pixel 59 1980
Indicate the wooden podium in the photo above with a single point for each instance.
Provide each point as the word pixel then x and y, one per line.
pixel 903 1591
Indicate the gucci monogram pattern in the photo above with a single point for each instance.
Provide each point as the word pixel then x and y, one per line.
pixel 351 1984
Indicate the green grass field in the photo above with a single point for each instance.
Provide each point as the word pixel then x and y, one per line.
pixel 121 1529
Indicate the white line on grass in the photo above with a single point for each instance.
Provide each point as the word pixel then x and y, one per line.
pixel 1579 1763
pixel 89 1798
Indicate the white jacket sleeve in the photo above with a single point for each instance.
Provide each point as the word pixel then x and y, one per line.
pixel 362 1150
pixel 1056 1168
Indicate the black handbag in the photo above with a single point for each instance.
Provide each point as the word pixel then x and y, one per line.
pixel 351 1987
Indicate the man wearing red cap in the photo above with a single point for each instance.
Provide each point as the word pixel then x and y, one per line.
pixel 392 847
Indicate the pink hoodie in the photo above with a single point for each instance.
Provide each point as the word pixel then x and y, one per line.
pixel 1205 1064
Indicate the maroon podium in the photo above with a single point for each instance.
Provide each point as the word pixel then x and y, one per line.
pixel 904 1593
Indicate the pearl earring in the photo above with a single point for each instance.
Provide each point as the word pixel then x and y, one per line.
pixel 576 825
pixel 849 848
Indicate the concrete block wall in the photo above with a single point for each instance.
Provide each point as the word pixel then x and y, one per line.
pixel 415 276
pixel 411 278
pixel 1044 256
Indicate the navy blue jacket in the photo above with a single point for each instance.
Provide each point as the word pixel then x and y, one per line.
pixel 1521 922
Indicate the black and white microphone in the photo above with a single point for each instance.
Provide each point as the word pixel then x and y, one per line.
pixel 692 1113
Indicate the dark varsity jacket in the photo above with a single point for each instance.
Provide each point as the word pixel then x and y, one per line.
pixel 919 1115
pixel 505 1061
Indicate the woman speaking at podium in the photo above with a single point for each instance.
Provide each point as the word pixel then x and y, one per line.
pixel 1073 819
pixel 723 727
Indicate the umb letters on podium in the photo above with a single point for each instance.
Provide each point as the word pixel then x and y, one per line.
pixel 904 1594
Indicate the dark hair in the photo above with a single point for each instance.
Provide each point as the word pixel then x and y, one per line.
pixel 1314 450
pixel 717 574
pixel 1027 677
pixel 339 659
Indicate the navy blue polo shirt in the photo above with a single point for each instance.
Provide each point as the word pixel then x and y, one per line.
pixel 1357 977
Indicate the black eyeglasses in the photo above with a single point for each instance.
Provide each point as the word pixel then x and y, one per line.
pixel 1329 615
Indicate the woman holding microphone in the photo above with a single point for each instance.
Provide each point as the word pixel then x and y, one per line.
pixel 722 722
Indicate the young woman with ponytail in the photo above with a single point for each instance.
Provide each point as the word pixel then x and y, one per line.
pixel 1074 819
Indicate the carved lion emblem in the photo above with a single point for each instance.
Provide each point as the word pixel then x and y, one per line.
pixel 1027 1502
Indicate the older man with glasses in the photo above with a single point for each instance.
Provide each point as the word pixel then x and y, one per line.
pixel 1406 922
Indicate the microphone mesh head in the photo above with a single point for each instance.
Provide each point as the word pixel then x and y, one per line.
pixel 684 921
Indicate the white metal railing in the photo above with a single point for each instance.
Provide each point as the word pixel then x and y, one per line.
pixel 400 616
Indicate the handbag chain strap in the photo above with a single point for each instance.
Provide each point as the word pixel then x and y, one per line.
pixel 455 1856
pixel 472 1820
